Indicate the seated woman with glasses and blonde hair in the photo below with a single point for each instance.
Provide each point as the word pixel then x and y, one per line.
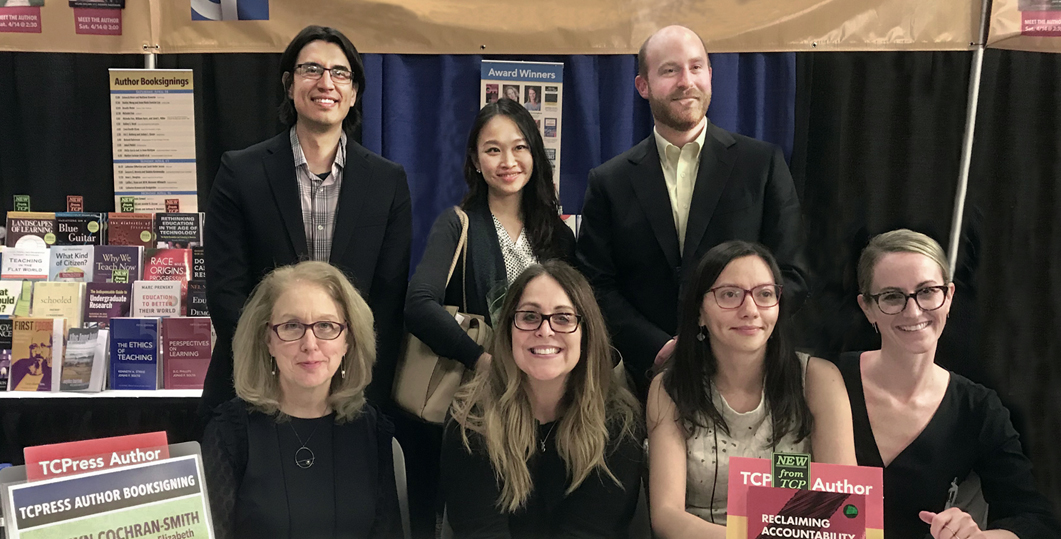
pixel 928 427
pixel 299 453
pixel 735 387
pixel 544 441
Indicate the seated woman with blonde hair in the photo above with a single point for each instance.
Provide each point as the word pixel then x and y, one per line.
pixel 544 441
pixel 927 427
pixel 735 387
pixel 299 453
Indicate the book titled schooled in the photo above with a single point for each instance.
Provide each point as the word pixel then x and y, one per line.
pixel 186 345
pixel 58 300
pixel 156 298
pixel 134 353
pixel 71 263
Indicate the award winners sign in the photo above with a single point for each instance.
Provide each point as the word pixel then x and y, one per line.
pixel 153 136
pixel 539 87
pixel 836 501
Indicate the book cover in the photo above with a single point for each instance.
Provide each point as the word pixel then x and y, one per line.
pixel 6 331
pixel 31 264
pixel 34 344
pixel 58 300
pixel 178 230
pixel 186 346
pixel 104 301
pixel 9 294
pixel 126 260
pixel 30 230
pixel 170 265
pixel 198 264
pixel 78 228
pixel 81 346
pixel 786 512
pixel 156 299
pixel 71 263
pixel 134 353
pixel 197 299
pixel 131 229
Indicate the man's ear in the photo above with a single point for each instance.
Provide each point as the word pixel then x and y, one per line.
pixel 642 86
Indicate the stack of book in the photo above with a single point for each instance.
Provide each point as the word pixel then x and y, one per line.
pixel 91 301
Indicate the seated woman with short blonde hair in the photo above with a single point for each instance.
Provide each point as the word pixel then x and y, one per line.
pixel 299 453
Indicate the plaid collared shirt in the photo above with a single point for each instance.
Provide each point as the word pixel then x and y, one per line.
pixel 319 198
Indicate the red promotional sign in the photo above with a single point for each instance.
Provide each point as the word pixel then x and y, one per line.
pixel 100 22
pixel 72 458
pixel 20 19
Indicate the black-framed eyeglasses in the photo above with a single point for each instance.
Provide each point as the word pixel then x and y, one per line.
pixel 293 331
pixel 732 297
pixel 928 298
pixel 314 71
pixel 560 322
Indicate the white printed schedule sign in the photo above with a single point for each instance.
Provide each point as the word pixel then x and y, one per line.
pixel 153 136
pixel 539 87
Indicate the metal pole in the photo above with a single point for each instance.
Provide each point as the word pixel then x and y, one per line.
pixel 967 141
pixel 150 60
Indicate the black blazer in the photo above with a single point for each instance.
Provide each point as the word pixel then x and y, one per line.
pixel 628 245
pixel 254 224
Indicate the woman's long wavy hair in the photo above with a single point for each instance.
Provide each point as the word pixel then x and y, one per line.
pixel 495 405
pixel 253 365
pixel 688 375
pixel 539 206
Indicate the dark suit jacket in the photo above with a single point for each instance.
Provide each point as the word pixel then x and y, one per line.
pixel 254 224
pixel 628 245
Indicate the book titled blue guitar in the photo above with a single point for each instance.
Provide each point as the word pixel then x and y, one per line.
pixel 134 353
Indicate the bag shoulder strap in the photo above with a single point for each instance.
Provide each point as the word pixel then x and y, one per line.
pixel 462 249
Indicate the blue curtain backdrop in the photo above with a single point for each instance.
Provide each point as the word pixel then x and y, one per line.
pixel 418 110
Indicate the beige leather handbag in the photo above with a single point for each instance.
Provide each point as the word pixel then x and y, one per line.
pixel 425 383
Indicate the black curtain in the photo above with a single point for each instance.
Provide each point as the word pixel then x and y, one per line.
pixel 877 147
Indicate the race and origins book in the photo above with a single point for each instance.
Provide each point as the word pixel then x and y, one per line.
pixel 85 362
pixel 35 344
pixel 156 299
pixel 71 263
pixel 170 265
pixel 131 229
pixel 30 229
pixel 134 353
pixel 79 228
pixel 124 259
pixel 186 346
pixel 104 301
pixel 58 300
pixel 178 230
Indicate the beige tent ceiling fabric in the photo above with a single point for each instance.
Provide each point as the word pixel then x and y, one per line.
pixel 542 27
pixel 1007 25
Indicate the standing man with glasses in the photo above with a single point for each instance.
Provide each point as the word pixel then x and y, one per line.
pixel 309 193
pixel 651 213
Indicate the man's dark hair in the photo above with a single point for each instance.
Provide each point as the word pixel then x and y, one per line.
pixel 309 34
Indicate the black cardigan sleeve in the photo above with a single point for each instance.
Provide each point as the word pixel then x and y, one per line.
pixel 224 463
pixel 1006 478
pixel 388 521
pixel 425 317
pixel 469 488
pixel 600 508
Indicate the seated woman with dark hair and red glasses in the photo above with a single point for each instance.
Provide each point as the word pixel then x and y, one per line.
pixel 927 427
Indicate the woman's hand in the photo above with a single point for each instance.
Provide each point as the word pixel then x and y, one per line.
pixel 952 524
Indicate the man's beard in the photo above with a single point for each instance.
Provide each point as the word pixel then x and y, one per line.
pixel 688 118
